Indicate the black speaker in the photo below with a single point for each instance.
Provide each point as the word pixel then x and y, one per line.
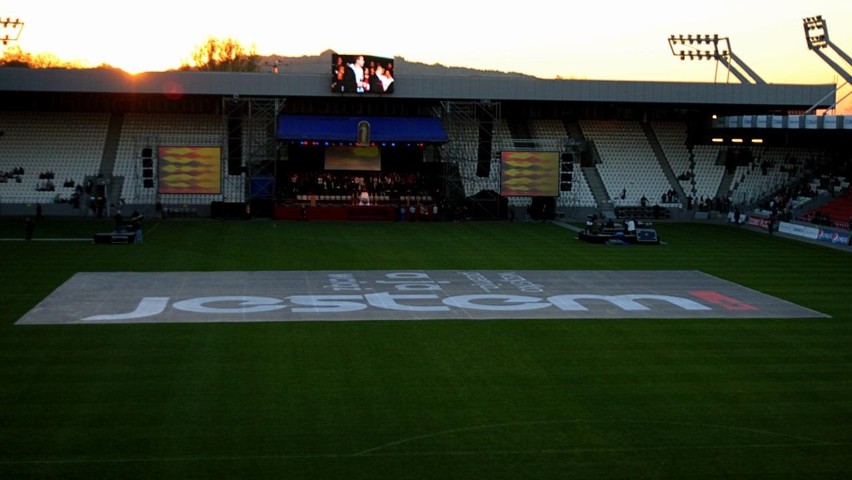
pixel 147 173
pixel 567 176
pixel 147 162
pixel 483 153
pixel 483 169
pixel 148 183
pixel 147 152
pixel 565 186
pixel 483 160
pixel 235 146
pixel 567 162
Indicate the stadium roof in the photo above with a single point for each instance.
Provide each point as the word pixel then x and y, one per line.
pixel 423 87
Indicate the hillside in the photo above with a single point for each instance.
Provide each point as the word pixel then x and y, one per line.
pixel 320 64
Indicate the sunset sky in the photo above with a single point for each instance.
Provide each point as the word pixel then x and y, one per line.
pixel 588 40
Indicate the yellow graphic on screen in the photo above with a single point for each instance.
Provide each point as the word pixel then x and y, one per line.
pixel 190 170
pixel 530 174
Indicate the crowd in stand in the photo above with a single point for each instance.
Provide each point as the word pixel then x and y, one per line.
pixel 822 218
pixel 781 203
pixel 14 174
pixel 669 197
pixel 715 204
pixel 46 185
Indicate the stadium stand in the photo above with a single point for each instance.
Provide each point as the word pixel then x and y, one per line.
pixel 837 212
pixel 548 134
pixel 696 167
pixel 628 165
pixel 462 149
pixel 769 170
pixel 72 147
pixel 65 146
pixel 613 145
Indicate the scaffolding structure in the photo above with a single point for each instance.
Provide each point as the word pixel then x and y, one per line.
pixel 460 155
pixel 471 126
pixel 252 137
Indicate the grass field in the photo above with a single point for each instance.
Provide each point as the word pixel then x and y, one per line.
pixel 585 399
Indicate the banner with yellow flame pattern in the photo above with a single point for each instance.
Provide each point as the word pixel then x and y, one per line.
pixel 189 170
pixel 530 174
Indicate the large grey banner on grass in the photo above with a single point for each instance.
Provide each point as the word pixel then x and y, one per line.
pixel 282 296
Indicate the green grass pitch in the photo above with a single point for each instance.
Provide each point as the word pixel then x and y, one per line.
pixel 585 399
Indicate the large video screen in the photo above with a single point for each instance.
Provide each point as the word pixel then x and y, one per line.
pixel 361 74
pixel 367 159
pixel 190 170
pixel 529 174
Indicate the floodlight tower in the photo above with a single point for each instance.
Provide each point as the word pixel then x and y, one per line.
pixel 816 34
pixel 11 29
pixel 716 48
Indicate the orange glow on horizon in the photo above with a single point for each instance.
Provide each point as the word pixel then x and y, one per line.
pixel 590 40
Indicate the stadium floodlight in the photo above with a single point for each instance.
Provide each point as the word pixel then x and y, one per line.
pixel 712 47
pixel 816 35
pixel 11 29
pixel 816 32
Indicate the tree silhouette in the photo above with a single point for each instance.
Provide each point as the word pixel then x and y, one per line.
pixel 223 55
pixel 16 57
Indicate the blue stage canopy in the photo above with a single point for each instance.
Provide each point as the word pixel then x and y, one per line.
pixel 345 129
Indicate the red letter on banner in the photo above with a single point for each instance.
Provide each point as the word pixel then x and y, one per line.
pixel 723 301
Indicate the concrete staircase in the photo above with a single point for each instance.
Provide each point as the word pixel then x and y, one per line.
pixel 598 189
pixel 664 162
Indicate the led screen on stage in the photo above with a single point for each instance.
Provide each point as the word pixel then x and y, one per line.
pixel 353 158
pixel 530 174
pixel 361 74
pixel 190 170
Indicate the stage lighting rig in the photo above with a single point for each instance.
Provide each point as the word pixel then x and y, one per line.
pixel 11 29
pixel 712 47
